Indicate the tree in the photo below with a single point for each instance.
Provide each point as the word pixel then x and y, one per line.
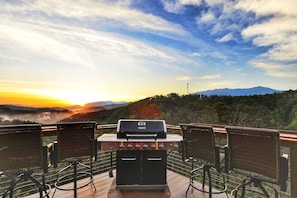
pixel 146 110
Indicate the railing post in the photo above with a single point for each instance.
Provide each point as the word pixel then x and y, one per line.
pixel 293 158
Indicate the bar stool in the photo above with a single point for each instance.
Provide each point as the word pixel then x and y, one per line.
pixel 199 145
pixel 255 154
pixel 75 142
pixel 22 154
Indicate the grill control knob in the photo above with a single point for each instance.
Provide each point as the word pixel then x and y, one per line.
pixel 145 146
pixel 137 146
pixel 121 146
pixel 175 146
pixel 153 146
pixel 129 146
pixel 161 146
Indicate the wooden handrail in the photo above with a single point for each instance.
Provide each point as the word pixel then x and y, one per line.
pixel 285 135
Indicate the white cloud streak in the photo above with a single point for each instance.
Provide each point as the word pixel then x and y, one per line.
pixel 276 70
pixel 280 33
pixel 184 78
pixel 222 84
pixel 226 38
pixel 214 76
pixel 207 17
pixel 52 39
pixel 85 10
pixel 178 6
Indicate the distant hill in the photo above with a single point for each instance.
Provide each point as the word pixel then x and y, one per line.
pixel 277 110
pixel 239 92
pixel 47 115
pixel 18 110
pixel 97 106
pixel 33 114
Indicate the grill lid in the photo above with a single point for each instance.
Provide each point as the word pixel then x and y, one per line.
pixel 141 129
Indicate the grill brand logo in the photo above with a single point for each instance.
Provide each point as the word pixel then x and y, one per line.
pixel 141 125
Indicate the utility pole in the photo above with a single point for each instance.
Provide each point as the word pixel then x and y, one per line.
pixel 188 88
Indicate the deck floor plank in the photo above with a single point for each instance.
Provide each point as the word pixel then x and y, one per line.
pixel 178 185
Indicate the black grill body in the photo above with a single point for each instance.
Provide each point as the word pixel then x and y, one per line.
pixel 141 169
pixel 138 129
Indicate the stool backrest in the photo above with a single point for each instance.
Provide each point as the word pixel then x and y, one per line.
pixel 199 142
pixel 20 146
pixel 255 150
pixel 75 139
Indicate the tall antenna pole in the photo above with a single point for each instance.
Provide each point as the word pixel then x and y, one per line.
pixel 188 88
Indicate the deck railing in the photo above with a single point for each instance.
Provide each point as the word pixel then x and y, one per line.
pixel 174 160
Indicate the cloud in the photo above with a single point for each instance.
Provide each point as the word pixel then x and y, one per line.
pixel 178 5
pixel 183 78
pixel 268 7
pixel 196 54
pixel 218 55
pixel 44 39
pixel 226 38
pixel 73 45
pixel 222 84
pixel 276 70
pixel 214 76
pixel 279 34
pixel 270 24
pixel 207 17
pixel 221 18
pixel 89 11
pixel 13 58
pixel 78 31
pixel 213 3
pixel 86 29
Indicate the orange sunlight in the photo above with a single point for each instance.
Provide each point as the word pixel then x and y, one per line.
pixel 31 100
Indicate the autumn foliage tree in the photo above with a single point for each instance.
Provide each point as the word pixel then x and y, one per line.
pixel 145 110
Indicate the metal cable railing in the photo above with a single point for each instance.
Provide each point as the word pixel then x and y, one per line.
pixel 174 163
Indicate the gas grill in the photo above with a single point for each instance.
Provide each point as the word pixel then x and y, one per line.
pixel 141 129
pixel 141 147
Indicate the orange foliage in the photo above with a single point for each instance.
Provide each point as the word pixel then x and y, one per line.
pixel 146 110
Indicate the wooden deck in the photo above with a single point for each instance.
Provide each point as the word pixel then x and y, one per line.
pixel 104 184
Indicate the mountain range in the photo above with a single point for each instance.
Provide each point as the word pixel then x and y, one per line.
pixel 239 91
pixel 53 114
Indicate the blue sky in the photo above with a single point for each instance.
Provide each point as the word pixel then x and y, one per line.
pixel 86 50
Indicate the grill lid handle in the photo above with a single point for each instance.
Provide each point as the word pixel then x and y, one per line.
pixel 128 158
pixel 154 159
pixel 154 136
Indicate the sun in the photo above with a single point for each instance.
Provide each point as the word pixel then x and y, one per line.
pixel 79 97
pixel 70 96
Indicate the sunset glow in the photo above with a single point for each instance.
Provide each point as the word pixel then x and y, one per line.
pixel 56 53
pixel 32 100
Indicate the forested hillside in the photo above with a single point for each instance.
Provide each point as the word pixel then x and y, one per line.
pixel 278 110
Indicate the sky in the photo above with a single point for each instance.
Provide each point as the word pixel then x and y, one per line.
pixel 55 53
